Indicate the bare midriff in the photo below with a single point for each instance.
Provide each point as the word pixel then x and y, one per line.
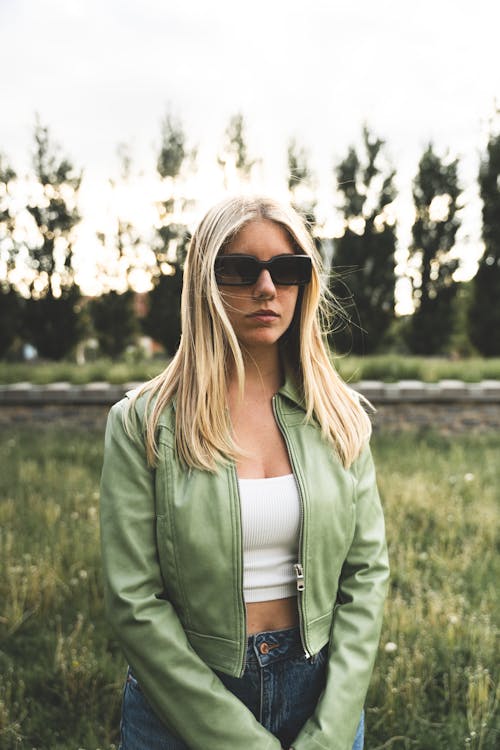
pixel 277 614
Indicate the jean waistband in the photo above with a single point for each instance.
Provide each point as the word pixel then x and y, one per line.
pixel 273 645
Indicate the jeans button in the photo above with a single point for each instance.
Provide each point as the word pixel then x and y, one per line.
pixel 264 648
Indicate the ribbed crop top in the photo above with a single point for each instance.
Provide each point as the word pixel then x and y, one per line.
pixel 270 516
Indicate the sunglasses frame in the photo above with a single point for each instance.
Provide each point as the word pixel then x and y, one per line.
pixel 263 265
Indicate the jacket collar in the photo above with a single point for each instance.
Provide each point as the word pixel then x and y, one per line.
pixel 292 387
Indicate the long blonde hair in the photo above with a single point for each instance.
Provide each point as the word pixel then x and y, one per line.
pixel 197 374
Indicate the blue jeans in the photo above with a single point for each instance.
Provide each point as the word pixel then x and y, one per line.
pixel 275 668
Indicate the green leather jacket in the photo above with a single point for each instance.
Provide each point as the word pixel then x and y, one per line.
pixel 172 561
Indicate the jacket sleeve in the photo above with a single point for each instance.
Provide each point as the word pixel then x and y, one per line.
pixel 356 624
pixel 184 692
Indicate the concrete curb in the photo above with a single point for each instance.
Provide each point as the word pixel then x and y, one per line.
pixel 404 391
pixel 414 391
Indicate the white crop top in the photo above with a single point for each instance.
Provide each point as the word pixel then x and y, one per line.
pixel 270 516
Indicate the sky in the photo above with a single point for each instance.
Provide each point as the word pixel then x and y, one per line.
pixel 105 72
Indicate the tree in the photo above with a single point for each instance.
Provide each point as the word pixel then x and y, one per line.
pixel 114 321
pixel 51 318
pixel 162 321
pixel 484 311
pixel 362 279
pixel 299 172
pixel 112 313
pixel 172 149
pixel 234 159
pixel 300 186
pixel 113 316
pixel 10 300
pixel 435 194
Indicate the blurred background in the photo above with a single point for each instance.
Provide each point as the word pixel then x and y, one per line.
pixel 122 122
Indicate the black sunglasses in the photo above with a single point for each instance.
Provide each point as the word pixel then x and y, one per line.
pixel 244 270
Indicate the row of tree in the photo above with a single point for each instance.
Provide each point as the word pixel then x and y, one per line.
pixel 41 303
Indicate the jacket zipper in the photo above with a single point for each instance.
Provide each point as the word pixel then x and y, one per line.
pixel 242 595
pixel 298 567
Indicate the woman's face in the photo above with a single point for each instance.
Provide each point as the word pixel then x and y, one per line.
pixel 261 313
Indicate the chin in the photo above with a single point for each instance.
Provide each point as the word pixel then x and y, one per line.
pixel 260 341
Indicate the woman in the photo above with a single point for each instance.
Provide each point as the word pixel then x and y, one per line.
pixel 243 543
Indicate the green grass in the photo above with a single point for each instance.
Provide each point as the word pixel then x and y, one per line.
pixel 435 686
pixel 392 367
pixel 104 370
pixel 386 367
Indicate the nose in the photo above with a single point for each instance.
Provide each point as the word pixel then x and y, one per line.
pixel 264 286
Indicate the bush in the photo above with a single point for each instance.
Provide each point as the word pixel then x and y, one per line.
pixel 52 324
pixel 11 310
pixel 114 321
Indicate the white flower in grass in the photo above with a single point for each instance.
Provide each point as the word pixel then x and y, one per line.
pixel 469 477
pixel 390 647
pixel 453 619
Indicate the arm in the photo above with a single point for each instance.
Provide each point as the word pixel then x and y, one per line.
pixel 184 692
pixel 356 624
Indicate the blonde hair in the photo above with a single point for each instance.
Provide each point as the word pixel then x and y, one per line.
pixel 197 376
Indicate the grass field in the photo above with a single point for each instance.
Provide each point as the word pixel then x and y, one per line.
pixel 385 367
pixel 435 686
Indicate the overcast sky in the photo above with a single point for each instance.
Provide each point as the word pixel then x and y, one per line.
pixel 104 72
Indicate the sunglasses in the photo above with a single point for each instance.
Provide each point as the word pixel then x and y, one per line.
pixel 244 270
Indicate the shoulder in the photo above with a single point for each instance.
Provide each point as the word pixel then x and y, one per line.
pixel 142 401
pixel 136 408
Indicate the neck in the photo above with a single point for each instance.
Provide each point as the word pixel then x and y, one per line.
pixel 263 371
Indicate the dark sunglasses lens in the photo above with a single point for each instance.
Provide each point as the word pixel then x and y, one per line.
pixel 241 270
pixel 233 270
pixel 291 270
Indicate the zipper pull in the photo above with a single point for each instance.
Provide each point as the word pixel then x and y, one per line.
pixel 299 574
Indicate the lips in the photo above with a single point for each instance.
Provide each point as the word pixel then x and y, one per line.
pixel 260 313
pixel 269 314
